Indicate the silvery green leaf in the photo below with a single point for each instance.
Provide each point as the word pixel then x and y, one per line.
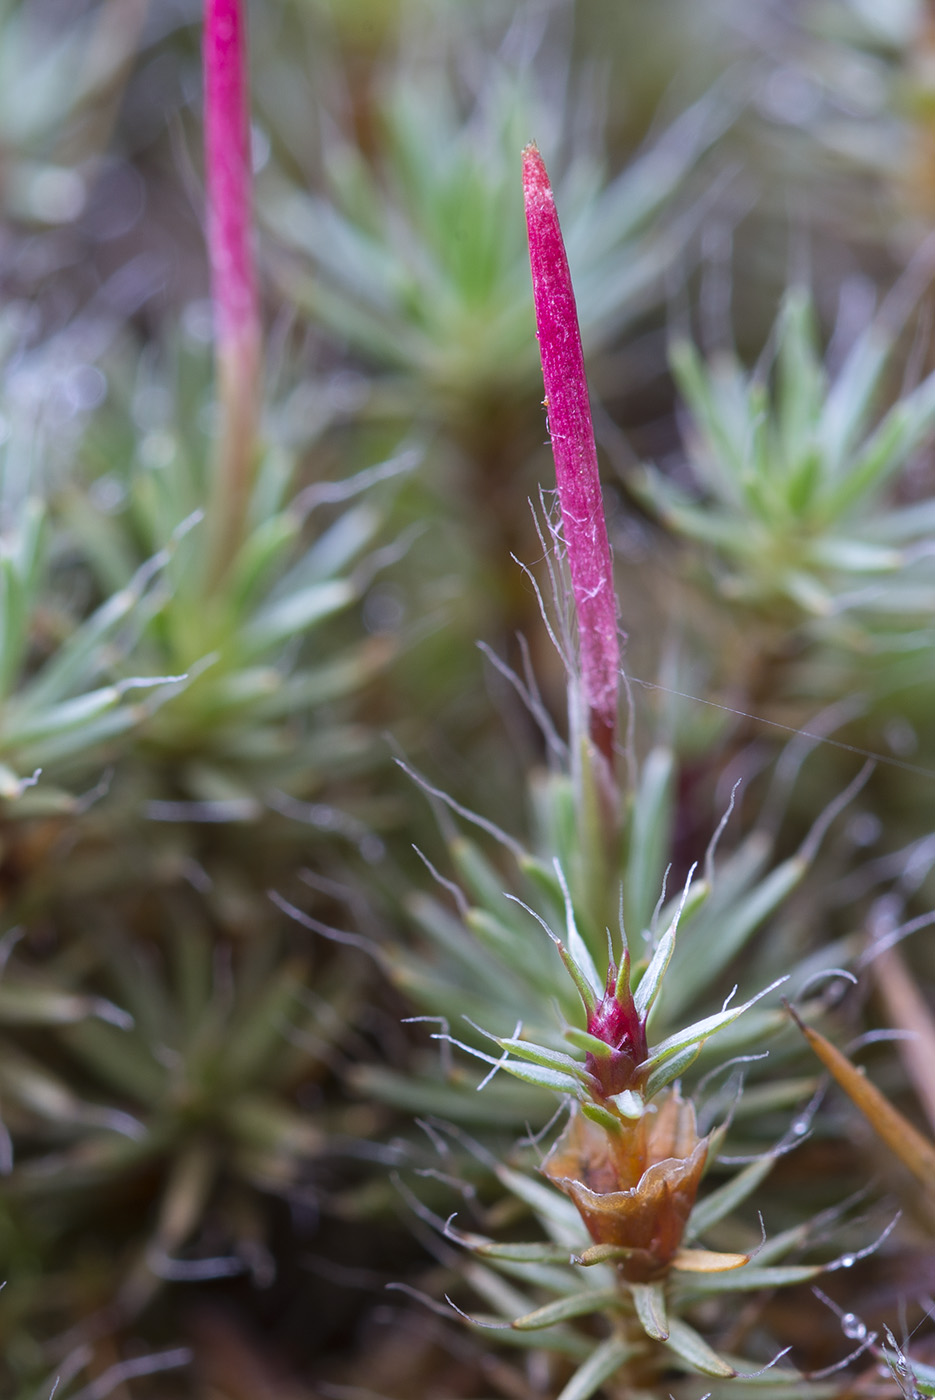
pixel 699 1032
pixel 580 1304
pixel 27 726
pixel 53 747
pixel 719 1203
pixel 801 385
pixel 599 1115
pixel 79 659
pixel 495 1290
pixel 547 1277
pixel 651 981
pixel 650 1302
pixel 691 901
pixel 577 948
pixel 541 1055
pixel 729 919
pixel 607 1358
pixel 260 556
pixel 690 1347
pixel 902 430
pixel 583 1040
pixel 725 462
pixel 478 966
pixel 649 840
pixel 482 883
pixel 295 613
pixel 520 1253
pixel 557 1212
pixel 677 510
pixel 503 1104
pixel 670 1069
pixel 333 551
pixel 512 950
pixel 855 556
pixel 812 596
pixel 540 1075
pixel 25 1004
pixel 752 1277
pixel 850 398
pixel 630 1103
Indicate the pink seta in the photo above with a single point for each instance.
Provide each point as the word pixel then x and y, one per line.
pixel 572 434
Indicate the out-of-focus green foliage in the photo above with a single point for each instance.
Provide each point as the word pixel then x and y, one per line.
pixel 416 257
pixel 793 504
pixel 59 84
pixel 241 651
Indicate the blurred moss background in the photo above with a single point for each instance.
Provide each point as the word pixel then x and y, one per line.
pixel 195 1197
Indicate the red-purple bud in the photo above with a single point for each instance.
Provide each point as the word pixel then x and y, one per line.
pixel 616 1021
pixel 576 474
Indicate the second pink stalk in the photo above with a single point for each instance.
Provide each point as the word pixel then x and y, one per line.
pixel 233 279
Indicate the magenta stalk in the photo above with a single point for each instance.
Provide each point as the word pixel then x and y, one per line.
pixel 237 333
pixel 579 489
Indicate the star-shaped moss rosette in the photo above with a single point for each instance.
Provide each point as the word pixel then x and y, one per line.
pixel 616 1070
pixel 643 1270
pixel 793 515
pixel 173 1143
pixel 254 717
pixel 414 254
pixel 71 688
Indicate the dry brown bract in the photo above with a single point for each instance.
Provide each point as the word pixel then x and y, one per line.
pixel 635 1188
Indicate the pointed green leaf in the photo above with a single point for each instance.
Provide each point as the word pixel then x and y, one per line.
pixel 530 1074
pixel 722 932
pixel 520 1253
pixel 650 1302
pixel 481 880
pixel 602 1254
pixel 670 1069
pixel 699 1032
pixel 687 1344
pixel 651 981
pixel 649 840
pixel 719 1204
pixel 557 1212
pixel 294 614
pixel 751 1277
pixel 540 1055
pixel 599 1367
pixel 583 1040
pixel 600 1115
pixel 578 1305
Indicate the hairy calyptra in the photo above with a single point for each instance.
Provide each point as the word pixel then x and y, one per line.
pixel 233 279
pixel 572 434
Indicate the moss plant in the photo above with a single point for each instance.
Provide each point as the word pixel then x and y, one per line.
pixel 609 1023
